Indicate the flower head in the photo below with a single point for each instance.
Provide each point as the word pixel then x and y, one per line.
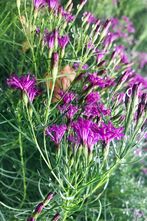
pixel 26 83
pixel 89 18
pixel 92 97
pixel 50 38
pixel 39 3
pixel 68 110
pixel 108 132
pixel 56 132
pixel 53 4
pixel 86 136
pixel 63 41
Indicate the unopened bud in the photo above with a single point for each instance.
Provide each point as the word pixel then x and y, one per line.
pixel 106 27
pixel 48 198
pixel 56 217
pixel 55 63
pixel 39 208
pixel 31 219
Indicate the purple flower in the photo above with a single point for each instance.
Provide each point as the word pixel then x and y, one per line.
pixel 95 80
pixel 100 55
pixel 106 27
pixel 91 111
pixel 24 83
pixel 71 110
pixel 39 3
pixel 68 110
pixel 56 132
pixel 37 31
pixel 90 45
pixel 67 97
pixel 95 110
pixel 67 15
pixel 84 134
pixel 108 132
pixel 138 79
pixel 92 97
pixel 63 41
pixel 89 18
pixel 82 128
pixel 50 38
pixel 53 4
pixel 76 66
pixel 85 67
pixel 110 38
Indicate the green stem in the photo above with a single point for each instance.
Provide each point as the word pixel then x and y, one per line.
pixel 22 163
pixel 23 169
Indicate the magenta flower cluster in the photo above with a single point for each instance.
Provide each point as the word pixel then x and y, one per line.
pixel 25 83
pixel 51 37
pixel 52 4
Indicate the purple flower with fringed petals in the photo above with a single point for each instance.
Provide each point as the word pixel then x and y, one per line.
pixel 95 110
pixel 68 110
pixel 82 128
pixel 96 80
pixel 110 38
pixel 40 3
pixel 53 4
pixel 67 97
pixel 108 132
pixel 63 41
pixel 84 134
pixel 67 16
pixel 138 79
pixel 56 132
pixel 100 55
pixel 91 111
pixel 24 83
pixel 92 97
pixel 89 18
pixel 71 110
pixel 76 66
pixel 50 37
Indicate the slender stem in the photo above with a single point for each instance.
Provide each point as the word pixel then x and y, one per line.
pixel 22 162
pixel 23 169
pixel 47 161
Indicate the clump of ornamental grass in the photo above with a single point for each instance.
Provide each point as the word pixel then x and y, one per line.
pixel 83 106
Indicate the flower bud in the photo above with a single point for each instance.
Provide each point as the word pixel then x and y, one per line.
pixel 106 27
pixel 31 219
pixel 39 208
pixel 56 217
pixel 48 198
pixel 55 63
